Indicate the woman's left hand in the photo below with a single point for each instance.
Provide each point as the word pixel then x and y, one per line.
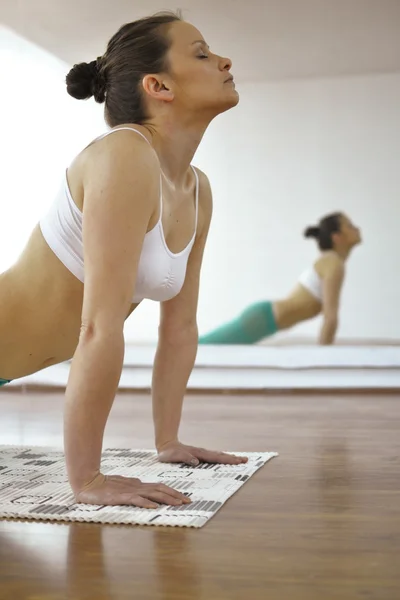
pixel 175 452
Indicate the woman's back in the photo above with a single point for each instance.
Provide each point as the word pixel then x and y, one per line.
pixel 41 303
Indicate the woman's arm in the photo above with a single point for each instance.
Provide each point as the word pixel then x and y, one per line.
pixel 121 191
pixel 178 335
pixel 331 285
pixel 176 353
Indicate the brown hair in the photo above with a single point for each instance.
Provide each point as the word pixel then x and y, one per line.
pixel 323 232
pixel 137 49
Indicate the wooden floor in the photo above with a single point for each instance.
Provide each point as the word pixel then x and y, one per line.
pixel 320 522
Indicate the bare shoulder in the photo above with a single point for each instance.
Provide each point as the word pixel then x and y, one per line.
pixel 330 264
pixel 121 146
pixel 118 162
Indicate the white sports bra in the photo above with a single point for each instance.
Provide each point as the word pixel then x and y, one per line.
pixel 312 282
pixel 161 273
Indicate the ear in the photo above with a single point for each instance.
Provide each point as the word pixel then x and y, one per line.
pixel 156 87
pixel 336 236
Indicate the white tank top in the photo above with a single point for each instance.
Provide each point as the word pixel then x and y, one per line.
pixel 312 282
pixel 161 273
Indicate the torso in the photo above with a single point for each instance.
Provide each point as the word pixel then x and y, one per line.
pixel 41 300
pixel 302 304
pixel 41 304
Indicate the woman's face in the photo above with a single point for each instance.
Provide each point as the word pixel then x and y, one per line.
pixel 349 232
pixel 199 79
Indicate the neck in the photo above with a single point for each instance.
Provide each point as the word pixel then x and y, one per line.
pixel 175 145
pixel 343 253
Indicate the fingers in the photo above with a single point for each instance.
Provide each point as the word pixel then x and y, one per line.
pixel 194 456
pixel 162 498
pixel 141 502
pixel 117 490
pixel 178 456
pixel 149 495
pixel 115 498
pixel 191 460
pixel 159 492
pixel 211 456
pixel 162 494
pixel 232 459
pixel 171 492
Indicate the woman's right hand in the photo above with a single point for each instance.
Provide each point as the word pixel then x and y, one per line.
pixel 111 490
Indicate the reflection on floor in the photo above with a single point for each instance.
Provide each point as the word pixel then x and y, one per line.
pixel 321 522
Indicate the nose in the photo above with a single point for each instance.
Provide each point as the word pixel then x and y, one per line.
pixel 225 64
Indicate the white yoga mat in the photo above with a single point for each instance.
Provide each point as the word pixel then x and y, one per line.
pixel 33 485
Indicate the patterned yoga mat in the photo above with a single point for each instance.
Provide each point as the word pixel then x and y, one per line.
pixel 33 485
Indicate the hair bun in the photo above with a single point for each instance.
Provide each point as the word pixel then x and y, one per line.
pixel 312 232
pixel 85 80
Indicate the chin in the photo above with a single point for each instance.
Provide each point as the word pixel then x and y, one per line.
pixel 220 106
pixel 229 102
pixel 236 98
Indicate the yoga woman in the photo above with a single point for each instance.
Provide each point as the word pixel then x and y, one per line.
pixel 129 222
pixel 317 291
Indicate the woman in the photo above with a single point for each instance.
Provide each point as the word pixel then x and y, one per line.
pixel 317 291
pixel 133 211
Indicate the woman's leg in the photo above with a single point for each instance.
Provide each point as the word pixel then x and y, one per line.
pixel 256 322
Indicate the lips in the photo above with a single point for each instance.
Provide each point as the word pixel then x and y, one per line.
pixel 229 79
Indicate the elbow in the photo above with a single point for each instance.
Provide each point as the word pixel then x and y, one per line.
pixel 92 330
pixel 88 331
pixel 100 347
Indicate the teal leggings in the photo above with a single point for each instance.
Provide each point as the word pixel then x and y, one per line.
pixel 256 322
pixel 4 381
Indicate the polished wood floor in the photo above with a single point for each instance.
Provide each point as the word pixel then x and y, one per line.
pixel 320 522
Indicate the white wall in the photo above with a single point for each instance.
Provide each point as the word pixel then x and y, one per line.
pixel 42 128
pixel 290 152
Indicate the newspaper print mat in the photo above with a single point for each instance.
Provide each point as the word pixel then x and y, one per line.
pixel 33 485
